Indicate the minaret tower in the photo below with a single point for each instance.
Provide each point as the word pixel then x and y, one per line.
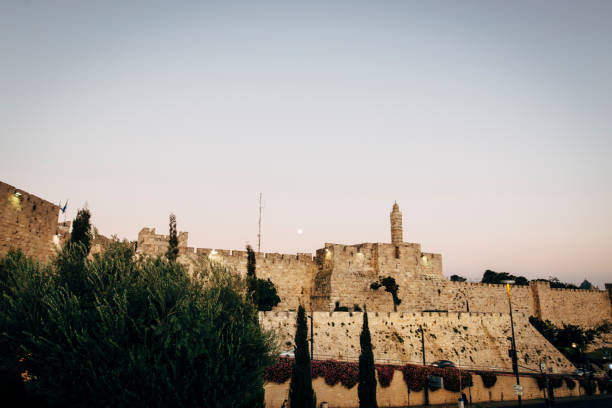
pixel 396 225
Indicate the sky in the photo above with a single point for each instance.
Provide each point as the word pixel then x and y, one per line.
pixel 490 124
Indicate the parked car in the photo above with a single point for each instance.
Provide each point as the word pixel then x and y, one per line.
pixel 443 363
pixel 582 372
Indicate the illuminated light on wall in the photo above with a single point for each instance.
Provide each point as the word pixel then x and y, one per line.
pixel 56 240
pixel 424 260
pixel 15 201
pixel 213 254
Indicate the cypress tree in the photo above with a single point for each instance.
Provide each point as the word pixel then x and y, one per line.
pixel 367 373
pixel 251 276
pixel 81 230
pixel 172 253
pixel 301 394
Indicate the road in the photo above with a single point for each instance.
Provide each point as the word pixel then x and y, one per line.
pixel 592 402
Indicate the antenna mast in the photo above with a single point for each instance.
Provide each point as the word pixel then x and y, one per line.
pixel 259 232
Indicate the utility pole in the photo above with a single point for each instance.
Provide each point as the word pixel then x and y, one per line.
pixel 311 332
pixel 513 351
pixel 424 363
pixel 259 231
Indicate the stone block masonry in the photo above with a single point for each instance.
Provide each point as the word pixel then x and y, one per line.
pixel 475 340
pixel 27 223
pixel 341 275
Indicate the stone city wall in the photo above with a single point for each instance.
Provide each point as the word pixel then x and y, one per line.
pixel 342 274
pixel 474 340
pixel 397 395
pixel 152 244
pixel 27 222
pixel 291 274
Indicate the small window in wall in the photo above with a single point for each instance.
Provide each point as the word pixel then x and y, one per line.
pixel 397 252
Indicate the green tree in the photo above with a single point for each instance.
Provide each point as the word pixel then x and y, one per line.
pixel 366 389
pixel 490 276
pixel 251 274
pixel 301 394
pixel 390 286
pixel 175 339
pixel 267 296
pixel 457 278
pixel 586 285
pixel 172 253
pixel 81 230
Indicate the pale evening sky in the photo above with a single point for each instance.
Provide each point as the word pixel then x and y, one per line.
pixel 489 122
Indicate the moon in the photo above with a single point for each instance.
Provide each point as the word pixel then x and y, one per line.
pixel 300 231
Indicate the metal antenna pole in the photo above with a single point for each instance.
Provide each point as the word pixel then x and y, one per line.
pixel 259 231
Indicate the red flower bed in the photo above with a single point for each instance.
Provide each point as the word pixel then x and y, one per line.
pixel 488 378
pixel 385 374
pixel 336 371
pixel 347 373
pixel 280 372
pixel 416 377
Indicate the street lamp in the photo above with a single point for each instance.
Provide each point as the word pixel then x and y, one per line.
pixel 420 329
pixel 513 350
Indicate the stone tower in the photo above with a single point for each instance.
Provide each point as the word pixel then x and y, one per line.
pixel 396 225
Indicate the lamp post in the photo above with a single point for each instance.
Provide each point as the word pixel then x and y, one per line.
pixel 423 351
pixel 513 350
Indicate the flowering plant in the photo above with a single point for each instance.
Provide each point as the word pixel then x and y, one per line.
pixel 385 374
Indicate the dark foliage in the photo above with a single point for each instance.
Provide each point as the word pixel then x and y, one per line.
pixel 356 308
pixel 81 230
pixel 338 308
pixel 251 274
pixel 113 331
pixel 488 378
pixel 367 375
pixel 497 277
pixel 266 294
pixel 301 394
pixel 571 384
pixel 586 285
pixel 390 286
pixel 334 372
pixel 570 340
pixel 261 291
pixel 385 374
pixel 457 278
pixel 172 253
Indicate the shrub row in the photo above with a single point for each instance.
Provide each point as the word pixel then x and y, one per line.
pixel 347 374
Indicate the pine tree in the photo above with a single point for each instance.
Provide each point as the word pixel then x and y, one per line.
pixel 367 373
pixel 301 394
pixel 251 276
pixel 81 230
pixel 172 253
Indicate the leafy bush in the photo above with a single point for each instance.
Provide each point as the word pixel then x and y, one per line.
pixel 488 378
pixel 114 331
pixel 416 377
pixel 347 373
pixel 385 374
pixel 497 277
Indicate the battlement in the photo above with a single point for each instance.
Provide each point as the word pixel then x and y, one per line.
pixel 391 316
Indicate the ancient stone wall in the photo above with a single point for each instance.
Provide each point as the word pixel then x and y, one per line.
pixel 152 244
pixel 586 308
pixel 353 268
pixel 476 340
pixel 342 275
pixel 27 222
pixel 291 274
